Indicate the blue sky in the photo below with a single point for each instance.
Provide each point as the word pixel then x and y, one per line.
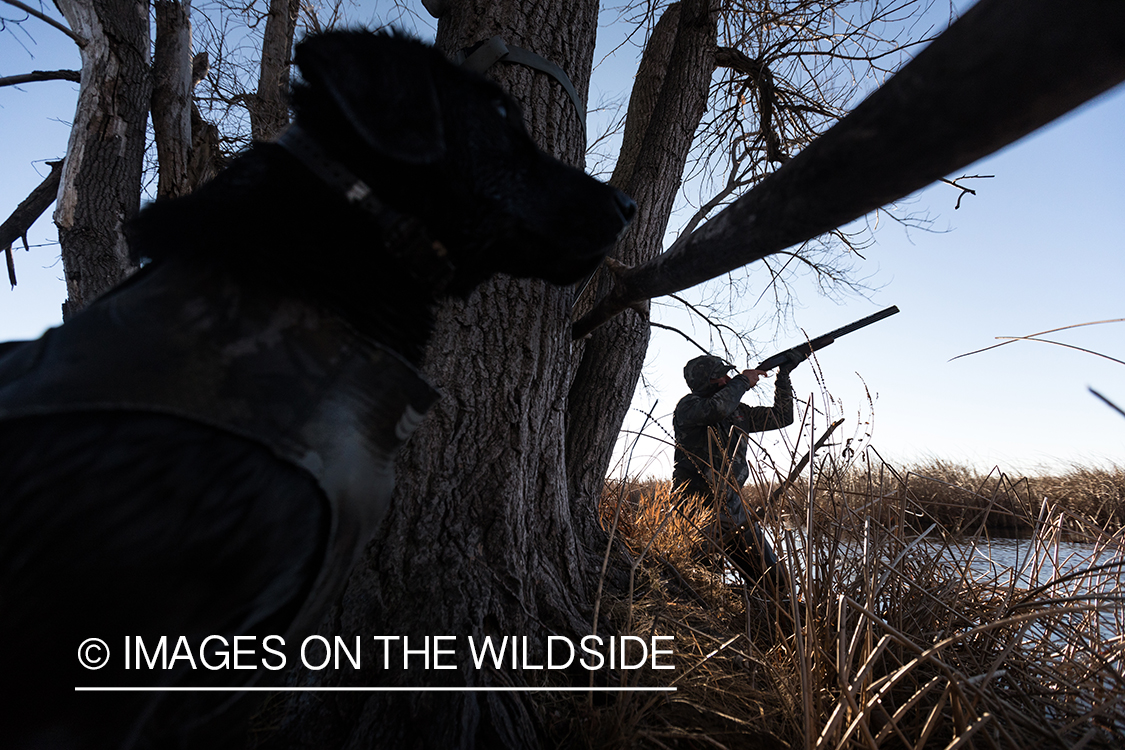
pixel 1042 245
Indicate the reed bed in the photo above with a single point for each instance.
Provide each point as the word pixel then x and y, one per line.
pixel 962 500
pixel 898 629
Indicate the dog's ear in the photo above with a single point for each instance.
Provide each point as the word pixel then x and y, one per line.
pixel 385 88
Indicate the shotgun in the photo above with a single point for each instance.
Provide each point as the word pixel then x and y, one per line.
pixel 802 351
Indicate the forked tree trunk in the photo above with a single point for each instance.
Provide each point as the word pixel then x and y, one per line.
pixel 668 100
pixel 101 181
pixel 486 538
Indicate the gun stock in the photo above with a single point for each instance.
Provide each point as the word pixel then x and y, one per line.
pixel 820 342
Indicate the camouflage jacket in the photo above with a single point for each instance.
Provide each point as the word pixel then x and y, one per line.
pixel 719 412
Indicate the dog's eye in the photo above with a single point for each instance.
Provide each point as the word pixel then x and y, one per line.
pixel 501 109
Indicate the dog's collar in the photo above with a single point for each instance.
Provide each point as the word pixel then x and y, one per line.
pixel 404 237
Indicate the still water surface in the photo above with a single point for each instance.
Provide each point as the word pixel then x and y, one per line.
pixel 1093 574
pixel 1036 562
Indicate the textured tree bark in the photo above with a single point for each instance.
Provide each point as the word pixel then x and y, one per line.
pixel 269 108
pixel 487 538
pixel 206 160
pixel 171 96
pixel 482 539
pixel 668 100
pixel 101 181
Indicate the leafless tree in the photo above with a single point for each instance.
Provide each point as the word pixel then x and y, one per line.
pixel 101 180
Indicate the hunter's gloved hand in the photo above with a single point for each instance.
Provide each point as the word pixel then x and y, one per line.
pixel 753 376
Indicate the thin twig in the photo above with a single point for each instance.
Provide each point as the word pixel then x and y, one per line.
pixel 47 19
pixel 1012 339
pixel 677 330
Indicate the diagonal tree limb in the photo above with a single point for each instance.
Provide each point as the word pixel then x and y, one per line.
pixel 48 20
pixel 1006 68
pixel 40 75
pixel 30 209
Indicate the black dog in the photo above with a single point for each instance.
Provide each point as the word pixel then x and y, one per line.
pixel 205 450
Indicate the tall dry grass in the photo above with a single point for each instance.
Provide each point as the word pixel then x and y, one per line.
pixel 898 630
pixel 963 500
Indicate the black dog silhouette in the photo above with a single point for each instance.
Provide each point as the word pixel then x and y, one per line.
pixel 205 450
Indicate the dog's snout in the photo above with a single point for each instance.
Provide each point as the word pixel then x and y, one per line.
pixel 625 206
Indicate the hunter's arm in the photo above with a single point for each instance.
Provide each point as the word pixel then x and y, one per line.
pixel 694 412
pixel 762 418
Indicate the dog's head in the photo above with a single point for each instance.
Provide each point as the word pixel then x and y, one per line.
pixel 450 147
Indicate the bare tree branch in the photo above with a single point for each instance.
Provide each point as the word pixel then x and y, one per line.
pixel 698 346
pixel 788 72
pixel 938 114
pixel 41 75
pixel 729 57
pixel 964 190
pixel 48 20
pixel 26 213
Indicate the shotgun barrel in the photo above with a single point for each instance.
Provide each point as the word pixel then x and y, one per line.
pixel 820 342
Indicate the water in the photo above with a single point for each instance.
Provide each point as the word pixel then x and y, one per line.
pixel 1036 563
pixel 1071 573
pixel 1063 600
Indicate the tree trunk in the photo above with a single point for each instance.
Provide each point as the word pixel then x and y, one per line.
pixel 206 158
pixel 171 96
pixel 482 538
pixel 668 100
pixel 269 108
pixel 101 181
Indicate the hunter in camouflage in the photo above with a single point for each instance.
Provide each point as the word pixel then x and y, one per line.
pixel 711 425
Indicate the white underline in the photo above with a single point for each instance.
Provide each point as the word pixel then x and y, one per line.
pixel 374 689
